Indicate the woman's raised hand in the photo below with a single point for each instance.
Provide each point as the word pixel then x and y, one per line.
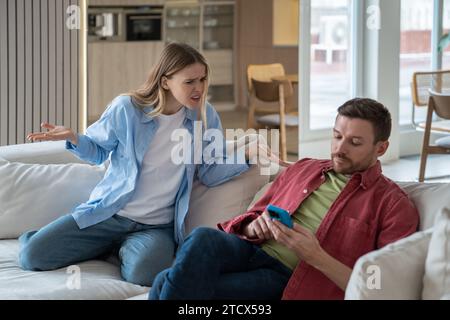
pixel 258 147
pixel 54 133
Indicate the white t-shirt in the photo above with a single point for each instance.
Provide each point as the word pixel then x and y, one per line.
pixel 153 201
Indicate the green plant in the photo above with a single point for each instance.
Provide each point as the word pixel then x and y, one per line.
pixel 444 42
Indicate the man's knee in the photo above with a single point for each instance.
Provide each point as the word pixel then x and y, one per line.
pixel 158 284
pixel 204 235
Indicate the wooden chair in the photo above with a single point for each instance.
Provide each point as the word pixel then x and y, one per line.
pixel 440 105
pixel 282 93
pixel 256 107
pixel 422 83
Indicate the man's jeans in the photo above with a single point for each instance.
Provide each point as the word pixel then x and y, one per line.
pixel 144 250
pixel 212 264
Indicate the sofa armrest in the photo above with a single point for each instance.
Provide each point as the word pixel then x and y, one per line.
pixel 49 152
pixel 391 273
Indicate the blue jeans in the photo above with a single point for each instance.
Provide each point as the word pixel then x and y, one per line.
pixel 144 250
pixel 212 264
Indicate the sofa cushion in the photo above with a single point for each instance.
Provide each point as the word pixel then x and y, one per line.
pixel 436 281
pixel 32 195
pixel 209 206
pixel 46 152
pixel 393 272
pixel 89 280
pixel 429 199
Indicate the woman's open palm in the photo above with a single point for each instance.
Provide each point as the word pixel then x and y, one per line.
pixel 54 133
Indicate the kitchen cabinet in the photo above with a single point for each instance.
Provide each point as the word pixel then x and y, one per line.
pixel 125 2
pixel 209 27
pixel 115 68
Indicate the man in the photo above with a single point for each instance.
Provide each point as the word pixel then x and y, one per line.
pixel 342 209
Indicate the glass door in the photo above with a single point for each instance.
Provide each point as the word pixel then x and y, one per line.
pixel 446 27
pixel 182 23
pixel 415 52
pixel 330 79
pixel 218 48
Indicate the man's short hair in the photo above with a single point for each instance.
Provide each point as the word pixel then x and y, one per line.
pixel 373 111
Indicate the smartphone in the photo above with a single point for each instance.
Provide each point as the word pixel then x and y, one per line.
pixel 280 214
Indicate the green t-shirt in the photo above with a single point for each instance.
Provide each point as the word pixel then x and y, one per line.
pixel 309 215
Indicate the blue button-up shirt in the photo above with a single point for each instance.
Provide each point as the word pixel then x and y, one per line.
pixel 123 135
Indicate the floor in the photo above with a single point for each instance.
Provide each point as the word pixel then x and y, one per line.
pixel 405 169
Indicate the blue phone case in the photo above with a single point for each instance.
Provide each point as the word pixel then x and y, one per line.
pixel 281 215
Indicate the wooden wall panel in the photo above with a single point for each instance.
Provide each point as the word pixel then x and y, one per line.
pixel 39 76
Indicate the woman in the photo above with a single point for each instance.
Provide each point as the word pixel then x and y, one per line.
pixel 140 205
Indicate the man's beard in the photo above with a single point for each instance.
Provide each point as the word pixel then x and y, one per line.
pixel 348 166
pixel 345 166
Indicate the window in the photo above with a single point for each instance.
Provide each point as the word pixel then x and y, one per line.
pixel 285 22
pixel 446 20
pixel 415 52
pixel 330 80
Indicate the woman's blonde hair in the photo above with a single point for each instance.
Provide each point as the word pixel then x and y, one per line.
pixel 175 57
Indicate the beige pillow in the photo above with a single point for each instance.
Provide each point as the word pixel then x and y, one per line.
pixel 399 267
pixel 436 281
pixel 32 195
pixel 209 206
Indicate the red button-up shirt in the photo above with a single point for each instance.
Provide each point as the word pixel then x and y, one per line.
pixel 369 213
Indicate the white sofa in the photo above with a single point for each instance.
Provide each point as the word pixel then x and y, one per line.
pixel 41 181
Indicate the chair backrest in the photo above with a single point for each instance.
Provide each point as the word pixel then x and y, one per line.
pixel 263 72
pixel 268 91
pixel 422 82
pixel 441 104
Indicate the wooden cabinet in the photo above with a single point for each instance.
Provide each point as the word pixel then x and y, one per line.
pixel 125 2
pixel 221 62
pixel 115 68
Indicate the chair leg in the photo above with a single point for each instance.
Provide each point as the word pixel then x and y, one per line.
pixel 251 114
pixel 282 102
pixel 423 164
pixel 426 141
pixel 283 147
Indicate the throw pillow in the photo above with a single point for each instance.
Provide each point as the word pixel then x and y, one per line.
pixel 391 273
pixel 32 195
pixel 436 281
pixel 209 206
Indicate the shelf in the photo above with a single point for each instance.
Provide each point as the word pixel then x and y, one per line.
pixel 182 27
pixel 218 14
pixel 219 26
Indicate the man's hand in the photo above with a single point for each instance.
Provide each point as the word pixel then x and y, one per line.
pixel 258 228
pixel 299 239
pixel 306 246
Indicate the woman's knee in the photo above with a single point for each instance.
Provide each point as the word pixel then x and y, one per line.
pixel 30 258
pixel 143 274
pixel 34 254
pixel 142 267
